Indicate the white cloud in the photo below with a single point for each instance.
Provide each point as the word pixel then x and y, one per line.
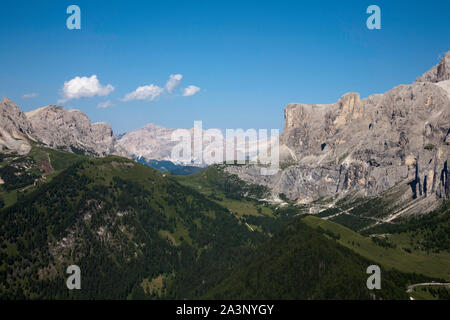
pixel 30 95
pixel 190 91
pixel 150 92
pixel 84 87
pixel 104 105
pixel 173 82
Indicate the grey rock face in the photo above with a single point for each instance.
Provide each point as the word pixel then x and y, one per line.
pixel 366 145
pixel 70 130
pixel 15 130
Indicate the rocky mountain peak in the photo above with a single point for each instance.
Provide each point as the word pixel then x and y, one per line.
pixel 152 126
pixel 439 72
pixel 70 130
pixel 6 100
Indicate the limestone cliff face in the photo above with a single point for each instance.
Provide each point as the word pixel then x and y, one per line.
pixel 367 145
pixel 70 130
pixel 15 130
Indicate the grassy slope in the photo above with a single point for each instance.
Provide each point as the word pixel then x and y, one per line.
pixel 432 264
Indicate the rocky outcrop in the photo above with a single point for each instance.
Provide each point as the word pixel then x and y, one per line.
pixel 15 129
pixel 70 130
pixel 367 145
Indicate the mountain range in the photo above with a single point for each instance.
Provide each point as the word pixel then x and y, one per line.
pixel 358 147
pixel 361 182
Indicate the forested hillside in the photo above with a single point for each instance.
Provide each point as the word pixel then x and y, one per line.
pixel 301 263
pixel 124 224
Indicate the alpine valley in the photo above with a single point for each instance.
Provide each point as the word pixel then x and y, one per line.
pixel 363 181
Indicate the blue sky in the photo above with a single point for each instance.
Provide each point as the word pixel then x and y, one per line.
pixel 249 58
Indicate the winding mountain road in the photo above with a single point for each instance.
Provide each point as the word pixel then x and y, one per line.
pixel 426 284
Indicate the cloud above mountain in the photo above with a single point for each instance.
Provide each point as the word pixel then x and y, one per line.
pixel 87 87
pixel 149 92
pixel 173 82
pixel 104 105
pixel 84 87
pixel 190 91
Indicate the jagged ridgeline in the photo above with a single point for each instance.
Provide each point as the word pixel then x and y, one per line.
pixel 133 232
